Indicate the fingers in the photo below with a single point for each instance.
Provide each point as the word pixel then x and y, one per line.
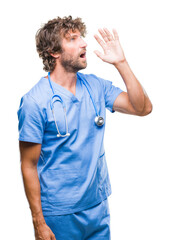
pixel 104 35
pixel 53 237
pixel 115 34
pixel 102 44
pixel 107 36
pixel 99 54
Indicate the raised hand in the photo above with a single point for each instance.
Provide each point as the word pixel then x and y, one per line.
pixel 113 52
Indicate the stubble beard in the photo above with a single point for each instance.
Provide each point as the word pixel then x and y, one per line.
pixel 71 64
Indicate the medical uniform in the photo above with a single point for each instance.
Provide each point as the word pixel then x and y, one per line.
pixel 72 170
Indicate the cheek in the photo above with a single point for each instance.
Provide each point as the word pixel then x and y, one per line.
pixel 70 53
pixel 71 49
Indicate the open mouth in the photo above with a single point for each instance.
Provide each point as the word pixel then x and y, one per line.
pixel 83 55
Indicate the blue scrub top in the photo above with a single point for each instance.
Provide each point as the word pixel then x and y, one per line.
pixel 72 170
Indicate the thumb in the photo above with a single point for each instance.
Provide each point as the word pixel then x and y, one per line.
pixel 53 237
pixel 99 54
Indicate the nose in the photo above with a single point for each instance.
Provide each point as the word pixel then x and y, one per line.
pixel 83 43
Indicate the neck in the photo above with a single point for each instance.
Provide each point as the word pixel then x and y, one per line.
pixel 63 78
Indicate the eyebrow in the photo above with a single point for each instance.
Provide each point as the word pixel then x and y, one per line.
pixel 72 35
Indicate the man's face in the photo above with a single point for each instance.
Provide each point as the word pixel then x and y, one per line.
pixel 73 57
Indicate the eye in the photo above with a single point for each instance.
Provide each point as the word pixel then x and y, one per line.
pixel 73 38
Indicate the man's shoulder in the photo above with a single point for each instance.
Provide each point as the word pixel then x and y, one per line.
pixel 95 84
pixel 38 92
pixel 87 76
pixel 91 78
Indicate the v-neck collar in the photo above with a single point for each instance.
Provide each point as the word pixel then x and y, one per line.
pixel 79 90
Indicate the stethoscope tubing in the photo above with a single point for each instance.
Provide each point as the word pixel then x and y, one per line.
pixel 98 120
pixel 85 83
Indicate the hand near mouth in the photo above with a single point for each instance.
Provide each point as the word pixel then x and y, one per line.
pixel 113 52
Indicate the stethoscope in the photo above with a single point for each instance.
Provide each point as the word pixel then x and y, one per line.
pixel 99 121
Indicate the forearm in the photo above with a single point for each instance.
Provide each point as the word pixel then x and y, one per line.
pixel 32 190
pixel 136 93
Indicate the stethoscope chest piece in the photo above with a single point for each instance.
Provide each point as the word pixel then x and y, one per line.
pixel 99 121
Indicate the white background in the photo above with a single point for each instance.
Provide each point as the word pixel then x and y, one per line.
pixel 137 148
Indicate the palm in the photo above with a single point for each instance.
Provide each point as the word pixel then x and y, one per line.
pixel 113 52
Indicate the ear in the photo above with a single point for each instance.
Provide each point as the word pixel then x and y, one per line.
pixel 55 55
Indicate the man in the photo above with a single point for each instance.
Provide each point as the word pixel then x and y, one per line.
pixel 61 130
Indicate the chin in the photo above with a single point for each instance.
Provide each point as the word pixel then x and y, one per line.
pixel 83 66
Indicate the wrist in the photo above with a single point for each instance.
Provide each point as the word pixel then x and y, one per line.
pixel 120 64
pixel 38 218
pixel 38 222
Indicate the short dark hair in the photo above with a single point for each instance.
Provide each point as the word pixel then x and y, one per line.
pixel 49 37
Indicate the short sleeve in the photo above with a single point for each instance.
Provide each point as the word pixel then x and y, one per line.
pixel 31 120
pixel 111 93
